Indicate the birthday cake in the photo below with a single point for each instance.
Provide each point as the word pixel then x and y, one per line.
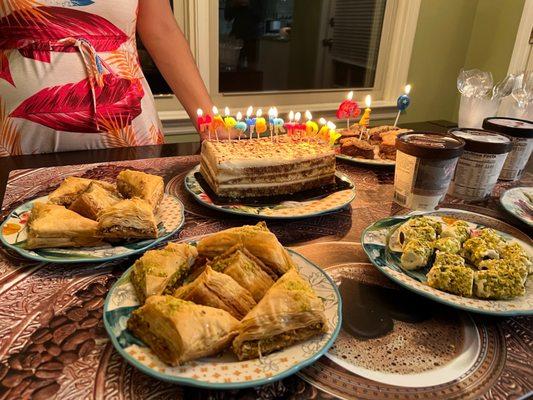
pixel 265 167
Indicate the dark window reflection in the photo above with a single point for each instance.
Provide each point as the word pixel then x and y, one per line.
pixel 157 84
pixel 298 44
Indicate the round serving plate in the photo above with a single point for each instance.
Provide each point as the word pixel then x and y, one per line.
pixel 519 202
pixel 225 371
pixel 282 210
pixel 376 241
pixel 13 233
pixel 366 161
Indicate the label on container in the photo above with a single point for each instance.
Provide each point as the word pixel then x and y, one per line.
pixel 517 159
pixel 420 183
pixel 476 174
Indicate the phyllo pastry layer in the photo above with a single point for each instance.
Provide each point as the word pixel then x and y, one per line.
pixel 178 331
pixel 131 218
pixel 139 184
pixel 94 200
pixel 246 269
pixel 257 239
pixel 52 225
pixel 289 312
pixel 69 190
pixel 218 290
pixel 161 271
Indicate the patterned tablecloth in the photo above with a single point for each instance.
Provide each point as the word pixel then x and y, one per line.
pixel 52 340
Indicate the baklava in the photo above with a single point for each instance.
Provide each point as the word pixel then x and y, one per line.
pixel 94 200
pixel 69 190
pixel 130 218
pixel 139 184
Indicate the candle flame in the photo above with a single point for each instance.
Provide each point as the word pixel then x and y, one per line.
pixel 239 116
pixel 271 112
pixel 331 125
pixel 297 116
pixel 215 110
pixel 274 112
pixel 322 121
pixel 291 115
pixel 249 111
pixel 259 113
pixel 368 101
pixel 308 115
pixel 349 96
pixel 226 111
pixel 407 89
pixel 199 112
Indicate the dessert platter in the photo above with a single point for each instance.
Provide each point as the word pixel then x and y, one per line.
pixel 255 311
pixel 88 220
pixel 458 258
pixel 519 202
pixel 286 177
pixel 372 146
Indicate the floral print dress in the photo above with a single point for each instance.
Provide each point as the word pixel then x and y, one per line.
pixel 70 77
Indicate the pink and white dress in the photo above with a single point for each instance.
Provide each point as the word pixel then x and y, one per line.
pixel 70 77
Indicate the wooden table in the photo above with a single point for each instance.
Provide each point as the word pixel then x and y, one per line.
pixel 44 305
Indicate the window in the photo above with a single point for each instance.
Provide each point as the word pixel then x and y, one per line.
pixel 278 45
pixel 294 76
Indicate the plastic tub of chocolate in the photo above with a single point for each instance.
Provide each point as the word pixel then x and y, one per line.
pixel 521 133
pixel 425 163
pixel 480 164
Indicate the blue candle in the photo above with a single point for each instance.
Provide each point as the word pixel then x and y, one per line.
pixel 403 102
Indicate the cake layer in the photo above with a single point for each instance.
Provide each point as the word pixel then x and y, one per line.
pixel 290 175
pixel 261 167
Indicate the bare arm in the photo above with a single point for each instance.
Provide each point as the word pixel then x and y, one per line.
pixel 169 49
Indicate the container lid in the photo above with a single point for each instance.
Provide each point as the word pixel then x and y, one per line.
pixel 481 141
pixel 438 146
pixel 510 126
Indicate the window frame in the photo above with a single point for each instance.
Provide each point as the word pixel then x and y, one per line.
pixel 396 43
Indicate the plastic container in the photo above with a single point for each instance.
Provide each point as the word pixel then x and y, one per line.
pixel 425 162
pixel 521 133
pixel 480 164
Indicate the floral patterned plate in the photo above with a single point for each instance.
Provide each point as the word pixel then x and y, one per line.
pixel 224 371
pixel 13 232
pixel 519 202
pixel 366 161
pixel 376 241
pixel 283 210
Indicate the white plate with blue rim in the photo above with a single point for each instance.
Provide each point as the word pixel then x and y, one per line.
pixel 382 252
pixel 14 230
pixel 224 371
pixel 518 201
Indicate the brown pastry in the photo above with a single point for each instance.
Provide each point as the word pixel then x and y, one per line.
pixel 72 187
pixel 94 200
pixel 139 184
pixel 357 148
pixel 131 218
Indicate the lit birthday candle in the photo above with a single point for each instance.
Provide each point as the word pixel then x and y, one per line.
pixel 240 125
pixel 297 125
pixel 365 119
pixel 311 127
pixel 290 125
pixel 323 133
pixel 260 123
pixel 403 102
pixel 333 134
pixel 271 116
pixel 250 121
pixel 217 122
pixel 348 108
pixel 228 119
pixel 278 123
pixel 200 121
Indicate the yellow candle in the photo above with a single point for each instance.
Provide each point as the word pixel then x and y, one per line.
pixel 333 134
pixel 229 121
pixel 260 123
pixel 365 119
pixel 311 128
pixel 323 133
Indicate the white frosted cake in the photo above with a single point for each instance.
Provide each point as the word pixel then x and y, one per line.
pixel 261 167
